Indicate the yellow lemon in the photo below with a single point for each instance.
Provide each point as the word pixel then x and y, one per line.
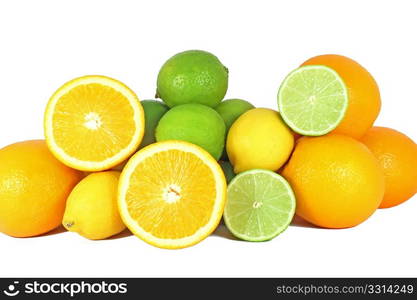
pixel 172 194
pixel 92 208
pixel 93 123
pixel 259 139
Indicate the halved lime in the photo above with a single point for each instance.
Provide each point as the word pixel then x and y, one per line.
pixel 313 100
pixel 260 205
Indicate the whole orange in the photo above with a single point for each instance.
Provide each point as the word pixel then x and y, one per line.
pixel 397 156
pixel 364 98
pixel 34 187
pixel 337 181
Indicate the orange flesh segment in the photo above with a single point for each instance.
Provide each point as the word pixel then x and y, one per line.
pixel 93 122
pixel 174 201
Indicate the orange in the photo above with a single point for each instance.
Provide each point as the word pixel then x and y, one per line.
pixel 34 187
pixel 337 181
pixel 93 123
pixel 172 194
pixel 363 92
pixel 397 156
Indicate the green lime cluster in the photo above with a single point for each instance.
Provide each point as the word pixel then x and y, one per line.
pixel 192 85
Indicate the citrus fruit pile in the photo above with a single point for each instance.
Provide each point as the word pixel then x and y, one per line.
pixel 170 169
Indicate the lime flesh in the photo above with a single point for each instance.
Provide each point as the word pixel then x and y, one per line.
pixel 313 100
pixel 260 205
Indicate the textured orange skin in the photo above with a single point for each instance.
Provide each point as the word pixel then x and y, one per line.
pixel 337 181
pixel 397 156
pixel 364 97
pixel 34 187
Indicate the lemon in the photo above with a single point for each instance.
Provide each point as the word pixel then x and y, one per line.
pixel 92 209
pixel 259 139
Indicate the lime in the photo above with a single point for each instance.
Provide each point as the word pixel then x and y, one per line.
pixel 194 123
pixel 313 100
pixel 260 205
pixel 154 110
pixel 231 109
pixel 227 170
pixel 193 76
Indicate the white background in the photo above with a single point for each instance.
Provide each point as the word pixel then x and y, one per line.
pixel 45 43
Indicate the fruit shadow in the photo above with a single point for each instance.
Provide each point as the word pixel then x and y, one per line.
pixel 58 230
pixel 223 232
pixel 300 222
pixel 61 229
pixel 123 234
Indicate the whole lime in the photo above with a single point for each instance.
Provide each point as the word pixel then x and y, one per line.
pixel 231 109
pixel 154 110
pixel 194 123
pixel 192 76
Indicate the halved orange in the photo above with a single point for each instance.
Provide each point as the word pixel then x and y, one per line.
pixel 93 123
pixel 172 194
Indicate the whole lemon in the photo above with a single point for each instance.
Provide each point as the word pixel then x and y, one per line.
pixel 363 92
pixel 259 139
pixel 91 209
pixel 34 187
pixel 397 156
pixel 337 181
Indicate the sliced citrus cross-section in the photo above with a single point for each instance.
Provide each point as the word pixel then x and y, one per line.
pixel 313 100
pixel 260 205
pixel 92 123
pixel 172 194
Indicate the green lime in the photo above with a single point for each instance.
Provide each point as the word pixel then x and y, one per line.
pixel 194 123
pixel 227 170
pixel 231 109
pixel 260 205
pixel 192 76
pixel 313 100
pixel 154 110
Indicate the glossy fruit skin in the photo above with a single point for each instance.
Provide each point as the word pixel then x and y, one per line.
pixel 259 139
pixel 34 187
pixel 364 98
pixel 192 76
pixel 154 110
pixel 397 156
pixel 232 109
pixel 337 181
pixel 194 123
pixel 92 209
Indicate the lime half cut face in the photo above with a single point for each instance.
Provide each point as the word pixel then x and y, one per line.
pixel 260 205
pixel 313 100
